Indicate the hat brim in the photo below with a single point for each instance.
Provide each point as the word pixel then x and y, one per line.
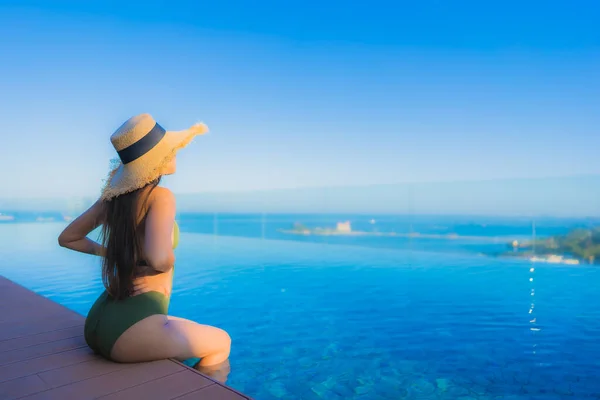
pixel 126 178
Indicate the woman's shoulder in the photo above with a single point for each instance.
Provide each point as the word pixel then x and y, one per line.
pixel 162 195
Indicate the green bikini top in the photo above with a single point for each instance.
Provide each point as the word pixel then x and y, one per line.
pixel 175 235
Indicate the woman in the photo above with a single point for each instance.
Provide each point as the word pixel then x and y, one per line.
pixel 129 322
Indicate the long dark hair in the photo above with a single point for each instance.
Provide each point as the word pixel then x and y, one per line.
pixel 121 240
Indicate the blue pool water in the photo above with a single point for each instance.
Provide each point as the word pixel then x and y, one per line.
pixel 328 320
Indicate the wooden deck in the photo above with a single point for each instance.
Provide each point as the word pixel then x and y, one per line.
pixel 43 356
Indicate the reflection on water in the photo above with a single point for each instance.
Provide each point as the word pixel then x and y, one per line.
pixel 219 372
pixel 315 321
pixel 532 315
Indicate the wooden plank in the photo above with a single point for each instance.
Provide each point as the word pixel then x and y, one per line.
pixel 17 294
pixel 45 337
pixel 82 371
pixel 164 388
pixel 46 363
pixel 9 330
pixel 59 346
pixel 22 312
pixel 20 387
pixel 110 383
pixel 212 392
pixel 217 383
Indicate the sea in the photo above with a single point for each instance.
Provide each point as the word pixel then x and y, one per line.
pixel 437 316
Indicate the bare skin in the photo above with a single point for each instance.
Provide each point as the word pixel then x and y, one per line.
pixel 158 336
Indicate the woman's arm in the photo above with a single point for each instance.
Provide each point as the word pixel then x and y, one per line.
pixel 158 240
pixel 74 236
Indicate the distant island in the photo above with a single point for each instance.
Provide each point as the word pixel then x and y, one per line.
pixel 578 245
pixel 345 229
pixel 575 247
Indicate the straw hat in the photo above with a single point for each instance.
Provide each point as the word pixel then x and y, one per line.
pixel 144 148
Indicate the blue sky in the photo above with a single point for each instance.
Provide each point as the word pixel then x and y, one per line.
pixel 301 94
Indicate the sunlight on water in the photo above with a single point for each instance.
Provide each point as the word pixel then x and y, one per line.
pixel 322 321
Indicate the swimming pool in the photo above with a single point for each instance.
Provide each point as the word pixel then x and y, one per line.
pixel 322 321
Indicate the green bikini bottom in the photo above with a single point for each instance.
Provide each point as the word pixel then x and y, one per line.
pixel 109 318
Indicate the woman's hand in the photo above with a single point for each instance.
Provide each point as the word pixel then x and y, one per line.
pixel 151 283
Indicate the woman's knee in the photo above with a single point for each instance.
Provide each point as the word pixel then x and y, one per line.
pixel 224 340
pixel 203 339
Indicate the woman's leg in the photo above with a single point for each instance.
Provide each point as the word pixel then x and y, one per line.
pixel 219 353
pixel 160 336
